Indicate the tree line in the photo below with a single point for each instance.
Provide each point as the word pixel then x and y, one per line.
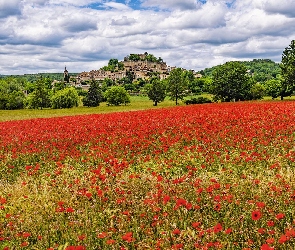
pixel 232 81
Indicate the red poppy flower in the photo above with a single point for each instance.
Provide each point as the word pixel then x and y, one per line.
pixel 196 224
pixel 256 215
pixel 110 242
pixel 217 228
pixel 283 239
pixel 270 223
pixel 127 237
pixel 166 199
pixel 26 235
pixel 280 216
pixel 217 207
pixel 266 247
pixel 176 231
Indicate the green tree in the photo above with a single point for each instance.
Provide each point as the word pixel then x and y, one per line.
pixel 230 82
pixel 12 93
pixel 40 97
pixel 94 95
pixel 151 58
pixel 65 98
pixel 257 91
pixel 117 95
pixel 58 86
pixel 15 100
pixel 273 88
pixel 134 57
pixel 288 70
pixel 156 91
pixel 177 85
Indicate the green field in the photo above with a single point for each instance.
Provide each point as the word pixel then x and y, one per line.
pixel 137 103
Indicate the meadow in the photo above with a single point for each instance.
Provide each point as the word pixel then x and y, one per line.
pixel 211 176
pixel 137 103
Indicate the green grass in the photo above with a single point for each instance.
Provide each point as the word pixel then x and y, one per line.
pixel 137 103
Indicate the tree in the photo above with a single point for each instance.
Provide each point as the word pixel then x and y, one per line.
pixel 156 91
pixel 65 98
pixel 177 85
pixel 94 95
pixel 12 93
pixel 200 85
pixel 117 95
pixel 273 88
pixel 134 57
pixel 40 97
pixel 257 91
pixel 288 70
pixel 151 58
pixel 230 82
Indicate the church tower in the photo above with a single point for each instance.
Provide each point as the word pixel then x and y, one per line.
pixel 66 76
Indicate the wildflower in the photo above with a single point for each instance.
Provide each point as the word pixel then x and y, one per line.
pixel 176 231
pixel 177 246
pixel 260 204
pixel 2 200
pixel 166 199
pixel 60 203
pixel 280 216
pixel 270 223
pixel 283 239
pixel 217 228
pixel 196 224
pixel 24 244
pixel 110 242
pixel 217 207
pixel 81 237
pixel 266 247
pixel 256 215
pixel 26 235
pixel 88 195
pixel 70 210
pixel 270 240
pixel 127 237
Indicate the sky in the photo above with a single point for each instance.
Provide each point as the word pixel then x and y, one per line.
pixel 44 36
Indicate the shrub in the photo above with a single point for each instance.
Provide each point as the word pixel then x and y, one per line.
pixel 117 95
pixel 197 100
pixel 65 98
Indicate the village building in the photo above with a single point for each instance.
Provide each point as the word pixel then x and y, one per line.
pixel 140 69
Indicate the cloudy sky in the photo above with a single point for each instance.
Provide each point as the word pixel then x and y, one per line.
pixel 45 35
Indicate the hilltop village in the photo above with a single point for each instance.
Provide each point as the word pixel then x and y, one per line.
pixel 139 66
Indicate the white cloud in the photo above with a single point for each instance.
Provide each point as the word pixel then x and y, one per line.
pixel 118 6
pixel 9 8
pixel 170 4
pixel 123 21
pixel 285 7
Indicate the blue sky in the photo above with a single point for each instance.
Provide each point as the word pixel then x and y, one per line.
pixel 45 35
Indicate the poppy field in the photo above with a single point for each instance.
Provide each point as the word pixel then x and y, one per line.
pixel 212 176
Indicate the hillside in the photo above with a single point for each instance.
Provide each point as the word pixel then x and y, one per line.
pixel 261 69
